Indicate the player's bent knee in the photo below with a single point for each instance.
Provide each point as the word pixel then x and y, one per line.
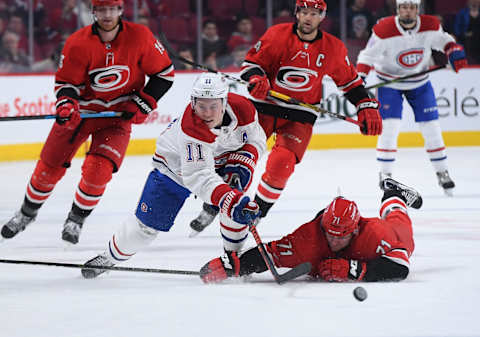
pixel 280 166
pixel 97 170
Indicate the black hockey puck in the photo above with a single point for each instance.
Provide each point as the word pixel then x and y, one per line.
pixel 360 294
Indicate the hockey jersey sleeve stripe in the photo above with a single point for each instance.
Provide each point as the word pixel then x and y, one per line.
pixel 352 84
pixel 67 89
pixel 390 204
pixel 398 256
pixel 167 73
pixel 249 69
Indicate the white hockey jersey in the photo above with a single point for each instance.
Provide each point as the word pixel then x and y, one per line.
pixel 188 151
pixel 396 52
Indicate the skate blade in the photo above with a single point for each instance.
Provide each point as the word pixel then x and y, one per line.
pixel 448 192
pixel 67 245
pixel 193 233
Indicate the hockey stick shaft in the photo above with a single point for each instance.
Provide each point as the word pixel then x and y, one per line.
pixel 293 273
pixel 106 114
pixel 399 79
pixel 80 266
pixel 271 93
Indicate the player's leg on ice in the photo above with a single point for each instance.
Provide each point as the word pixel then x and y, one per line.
pixel 57 153
pixel 104 158
pixel 424 105
pixel 159 204
pixel 290 145
pixel 393 189
pixel 391 111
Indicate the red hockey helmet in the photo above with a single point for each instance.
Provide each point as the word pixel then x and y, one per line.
pixel 341 217
pixel 319 4
pixel 98 3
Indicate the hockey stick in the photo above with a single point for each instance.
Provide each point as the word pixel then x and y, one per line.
pixel 301 269
pixel 80 266
pixel 271 93
pixel 105 114
pixel 399 79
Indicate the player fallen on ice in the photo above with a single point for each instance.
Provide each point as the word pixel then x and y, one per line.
pixel 102 68
pixel 293 58
pixel 217 131
pixel 399 46
pixel 340 244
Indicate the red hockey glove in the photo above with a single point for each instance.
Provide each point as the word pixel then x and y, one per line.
pixel 258 86
pixel 239 168
pixel 456 56
pixel 68 113
pixel 369 117
pixel 138 108
pixel 341 270
pixel 221 268
pixel 239 208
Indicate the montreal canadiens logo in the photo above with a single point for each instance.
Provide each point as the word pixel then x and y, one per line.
pixel 109 78
pixel 296 79
pixel 410 58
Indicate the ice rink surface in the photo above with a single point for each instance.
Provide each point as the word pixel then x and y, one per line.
pixel 439 298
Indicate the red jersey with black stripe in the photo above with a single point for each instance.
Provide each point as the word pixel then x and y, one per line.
pixel 296 67
pixel 105 74
pixel 391 238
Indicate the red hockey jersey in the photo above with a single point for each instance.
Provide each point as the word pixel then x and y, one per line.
pixel 296 67
pixel 391 238
pixel 104 74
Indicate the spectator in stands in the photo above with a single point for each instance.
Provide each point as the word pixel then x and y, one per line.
pixel 389 8
pixel 467 30
pixel 359 20
pixel 213 45
pixel 64 19
pixel 186 53
pixel 236 59
pixel 243 35
pixel 12 58
pixel 50 64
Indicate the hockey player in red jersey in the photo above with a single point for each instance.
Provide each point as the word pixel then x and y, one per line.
pixel 293 59
pixel 340 244
pixel 102 68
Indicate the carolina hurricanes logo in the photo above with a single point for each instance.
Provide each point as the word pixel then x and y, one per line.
pixel 410 58
pixel 109 78
pixel 296 79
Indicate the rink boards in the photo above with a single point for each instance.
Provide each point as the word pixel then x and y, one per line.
pixel 458 100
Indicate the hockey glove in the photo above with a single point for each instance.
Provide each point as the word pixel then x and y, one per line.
pixel 258 86
pixel 456 56
pixel 221 268
pixel 239 208
pixel 138 108
pixel 341 270
pixel 239 168
pixel 68 113
pixel 369 117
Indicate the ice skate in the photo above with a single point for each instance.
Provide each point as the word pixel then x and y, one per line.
pixel 16 224
pixel 71 231
pixel 205 218
pixel 99 261
pixel 446 182
pixel 411 197
pixel 381 177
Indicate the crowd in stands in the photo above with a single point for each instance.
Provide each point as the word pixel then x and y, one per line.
pixel 229 28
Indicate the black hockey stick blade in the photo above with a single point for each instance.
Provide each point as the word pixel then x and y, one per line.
pixel 115 268
pixel 301 269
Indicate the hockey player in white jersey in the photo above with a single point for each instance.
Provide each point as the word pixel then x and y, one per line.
pixel 217 133
pixel 401 45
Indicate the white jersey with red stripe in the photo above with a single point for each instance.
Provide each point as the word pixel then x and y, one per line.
pixel 395 52
pixel 188 151
pixel 296 67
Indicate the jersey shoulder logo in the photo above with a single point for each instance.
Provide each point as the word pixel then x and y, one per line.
pixel 296 79
pixel 411 57
pixel 109 78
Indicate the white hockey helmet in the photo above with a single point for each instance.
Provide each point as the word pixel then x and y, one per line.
pixel 413 2
pixel 210 85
